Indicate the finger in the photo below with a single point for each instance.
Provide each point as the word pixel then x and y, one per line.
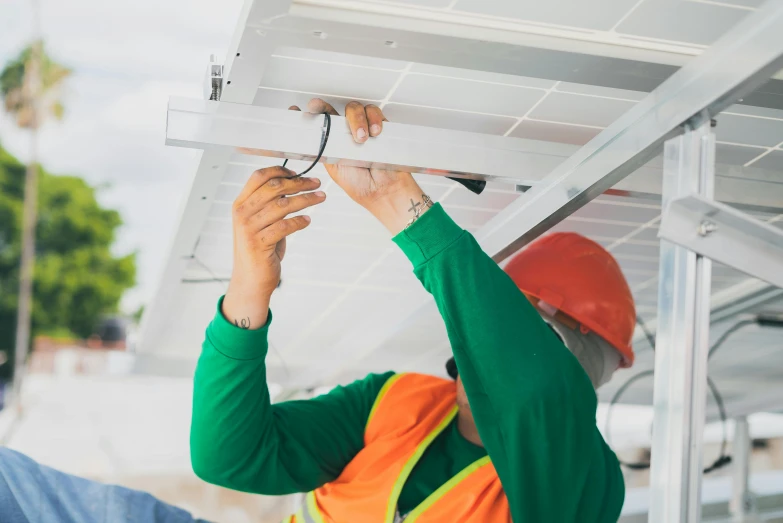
pixel 375 119
pixel 272 190
pixel 318 106
pixel 357 121
pixel 258 179
pixel 283 206
pixel 279 230
pixel 294 108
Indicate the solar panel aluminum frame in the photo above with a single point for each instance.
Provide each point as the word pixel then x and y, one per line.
pixel 281 134
pixel 744 58
pixel 725 235
pixel 682 343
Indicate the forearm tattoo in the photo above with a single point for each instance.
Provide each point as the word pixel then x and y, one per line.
pixel 243 323
pixel 418 207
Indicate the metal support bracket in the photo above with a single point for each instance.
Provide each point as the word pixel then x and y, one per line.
pixel 213 80
pixel 725 235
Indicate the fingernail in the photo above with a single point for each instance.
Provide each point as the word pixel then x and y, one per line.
pixel 306 218
pixel 375 129
pixel 361 134
pixel 320 194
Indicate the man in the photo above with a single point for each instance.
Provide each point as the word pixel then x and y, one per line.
pixel 513 438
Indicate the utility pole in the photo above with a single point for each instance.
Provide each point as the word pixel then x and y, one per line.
pixel 32 91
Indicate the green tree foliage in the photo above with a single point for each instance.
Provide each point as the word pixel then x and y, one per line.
pixel 77 279
pixel 12 88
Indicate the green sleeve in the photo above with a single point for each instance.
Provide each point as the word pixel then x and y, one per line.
pixel 239 440
pixel 533 404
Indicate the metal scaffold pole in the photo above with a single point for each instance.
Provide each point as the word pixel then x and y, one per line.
pixel 682 343
pixel 741 505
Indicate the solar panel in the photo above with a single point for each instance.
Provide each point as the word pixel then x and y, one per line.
pixel 347 302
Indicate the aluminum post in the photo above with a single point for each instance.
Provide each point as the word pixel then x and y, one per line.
pixel 741 505
pixel 679 399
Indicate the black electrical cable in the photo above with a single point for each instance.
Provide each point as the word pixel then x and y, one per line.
pixel 324 139
pixel 646 331
pixel 213 277
pixel 475 186
pixel 633 379
pixel 731 330
pixel 723 459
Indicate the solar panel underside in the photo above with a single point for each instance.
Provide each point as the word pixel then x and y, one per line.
pixel 347 291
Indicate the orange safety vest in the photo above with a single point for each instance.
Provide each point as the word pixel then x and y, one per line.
pixel 408 414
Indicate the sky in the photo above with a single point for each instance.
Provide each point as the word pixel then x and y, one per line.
pixel 127 58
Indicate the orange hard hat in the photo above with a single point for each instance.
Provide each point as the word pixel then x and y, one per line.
pixel 570 274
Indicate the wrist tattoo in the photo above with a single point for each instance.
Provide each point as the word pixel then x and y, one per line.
pixel 243 323
pixel 417 208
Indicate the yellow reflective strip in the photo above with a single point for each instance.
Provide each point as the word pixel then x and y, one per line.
pixel 380 396
pixel 298 517
pixel 441 491
pixel 391 509
pixel 312 508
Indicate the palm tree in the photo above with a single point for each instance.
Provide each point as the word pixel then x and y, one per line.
pixel 29 86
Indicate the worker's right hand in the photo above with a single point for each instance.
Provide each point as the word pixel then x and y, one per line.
pixel 260 227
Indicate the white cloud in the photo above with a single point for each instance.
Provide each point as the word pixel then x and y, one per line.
pixel 145 109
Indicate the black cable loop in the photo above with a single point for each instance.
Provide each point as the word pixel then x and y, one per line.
pixel 324 139
pixel 723 459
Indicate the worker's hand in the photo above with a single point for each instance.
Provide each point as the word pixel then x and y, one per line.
pixel 260 226
pixel 363 185
pixel 386 194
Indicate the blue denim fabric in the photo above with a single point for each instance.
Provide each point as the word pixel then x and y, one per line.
pixel 33 493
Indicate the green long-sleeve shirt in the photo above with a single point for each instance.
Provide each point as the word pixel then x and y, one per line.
pixel 533 404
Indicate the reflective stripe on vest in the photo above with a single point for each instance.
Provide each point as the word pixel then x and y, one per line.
pixel 309 512
pixel 443 489
pixel 391 509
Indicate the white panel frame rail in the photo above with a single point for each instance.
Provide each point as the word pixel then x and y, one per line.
pixel 725 235
pixel 682 343
pixel 413 148
pixel 294 135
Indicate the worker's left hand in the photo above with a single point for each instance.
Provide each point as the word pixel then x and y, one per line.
pixel 364 186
